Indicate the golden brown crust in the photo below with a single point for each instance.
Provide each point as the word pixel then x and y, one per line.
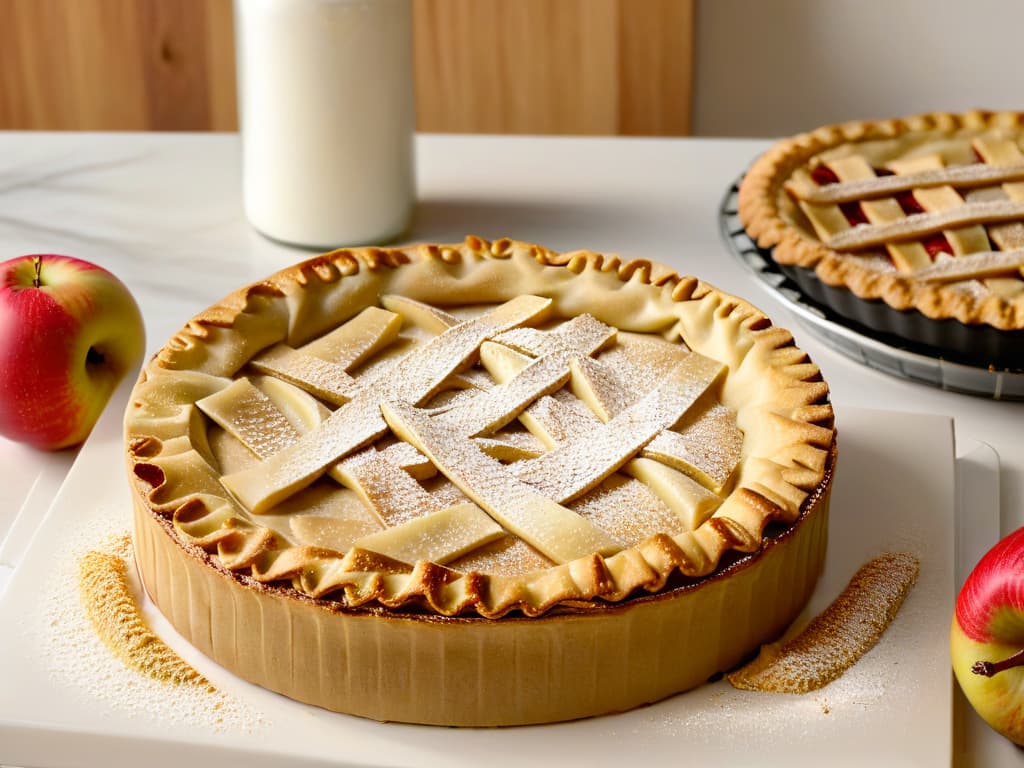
pixel 763 203
pixel 781 402
pixel 575 661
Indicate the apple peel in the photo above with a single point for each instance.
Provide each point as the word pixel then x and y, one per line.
pixel 987 637
pixel 70 331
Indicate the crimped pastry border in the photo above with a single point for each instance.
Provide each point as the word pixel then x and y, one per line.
pixel 762 186
pixel 573 662
pixel 171 477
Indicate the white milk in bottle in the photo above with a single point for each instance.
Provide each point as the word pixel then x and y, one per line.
pixel 327 115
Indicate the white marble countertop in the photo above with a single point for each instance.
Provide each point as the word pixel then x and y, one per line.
pixel 163 212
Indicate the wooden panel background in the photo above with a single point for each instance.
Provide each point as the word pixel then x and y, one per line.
pixel 491 66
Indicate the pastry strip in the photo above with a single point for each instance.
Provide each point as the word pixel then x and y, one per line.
pixel 963 176
pixel 401 504
pixel 327 381
pixel 438 538
pixel 425 316
pixel 691 502
pixel 413 379
pixel 962 240
pixel 918 224
pixel 356 340
pixel 576 466
pixel 975 265
pixel 707 448
pixel 482 413
pixel 1008 237
pixel 488 411
pixel 320 367
pixel 249 416
pixel 554 530
pixel 697 450
pixel 906 256
pixel 393 495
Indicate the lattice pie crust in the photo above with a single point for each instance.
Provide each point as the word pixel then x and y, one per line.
pixel 479 484
pixel 925 212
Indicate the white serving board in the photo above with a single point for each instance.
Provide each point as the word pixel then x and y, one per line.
pixel 64 700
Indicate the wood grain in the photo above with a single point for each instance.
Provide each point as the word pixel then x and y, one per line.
pixel 57 69
pixel 117 64
pixel 489 66
pixel 554 66
pixel 656 67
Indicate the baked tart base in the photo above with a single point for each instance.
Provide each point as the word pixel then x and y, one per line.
pixel 482 484
pixel 948 339
pixel 470 671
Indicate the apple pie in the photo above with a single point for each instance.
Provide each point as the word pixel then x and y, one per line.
pixel 480 484
pixel 913 227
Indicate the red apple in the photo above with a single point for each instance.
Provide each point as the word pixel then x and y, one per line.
pixel 69 332
pixel 987 637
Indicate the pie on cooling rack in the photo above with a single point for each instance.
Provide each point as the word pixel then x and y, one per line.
pixel 483 484
pixel 922 216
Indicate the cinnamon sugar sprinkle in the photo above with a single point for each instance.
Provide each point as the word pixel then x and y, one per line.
pixel 835 639
pixel 97 647
pixel 111 607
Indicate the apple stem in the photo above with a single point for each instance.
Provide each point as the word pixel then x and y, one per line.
pixel 38 279
pixel 990 668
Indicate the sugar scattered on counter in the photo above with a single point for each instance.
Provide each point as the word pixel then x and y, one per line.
pixel 739 716
pixel 836 638
pixel 724 712
pixel 76 656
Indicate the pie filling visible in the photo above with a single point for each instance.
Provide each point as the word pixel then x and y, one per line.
pixel 925 212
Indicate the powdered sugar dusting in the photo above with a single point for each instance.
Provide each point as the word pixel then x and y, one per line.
pixel 719 712
pixel 627 509
pixel 724 713
pixel 589 397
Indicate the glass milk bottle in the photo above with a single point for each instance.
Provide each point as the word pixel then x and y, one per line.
pixel 327 115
